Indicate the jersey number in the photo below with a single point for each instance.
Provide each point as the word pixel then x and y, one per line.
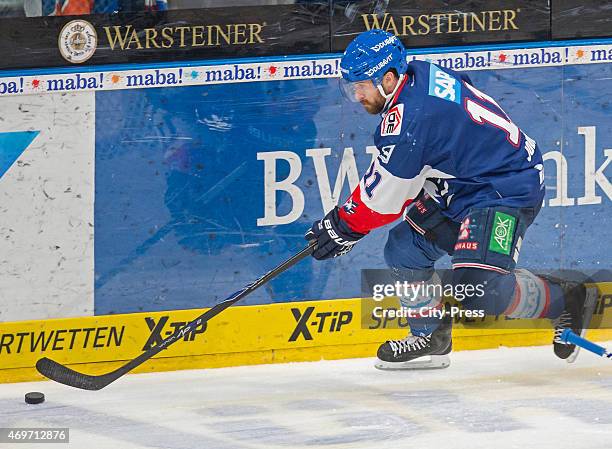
pixel 481 115
pixel 371 180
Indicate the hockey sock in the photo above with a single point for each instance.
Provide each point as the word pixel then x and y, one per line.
pixel 535 297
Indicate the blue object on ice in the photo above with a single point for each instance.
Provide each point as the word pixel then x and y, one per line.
pixel 570 337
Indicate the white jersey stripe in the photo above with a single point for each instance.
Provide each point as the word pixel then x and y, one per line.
pixel 391 192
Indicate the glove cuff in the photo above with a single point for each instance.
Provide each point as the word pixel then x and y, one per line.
pixel 343 226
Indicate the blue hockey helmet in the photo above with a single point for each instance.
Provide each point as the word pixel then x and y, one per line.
pixel 368 57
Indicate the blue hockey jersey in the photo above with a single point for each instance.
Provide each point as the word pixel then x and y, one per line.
pixel 441 134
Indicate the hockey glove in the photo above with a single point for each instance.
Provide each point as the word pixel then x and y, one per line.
pixel 334 237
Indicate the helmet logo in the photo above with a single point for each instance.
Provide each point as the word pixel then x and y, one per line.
pixel 379 66
pixel 372 53
pixel 384 43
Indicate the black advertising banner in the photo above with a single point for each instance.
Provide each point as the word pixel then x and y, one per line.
pixel 305 27
pixel 581 18
pixel 231 32
pixel 422 23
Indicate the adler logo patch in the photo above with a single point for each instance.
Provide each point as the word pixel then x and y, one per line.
pixel 392 123
pixel 385 153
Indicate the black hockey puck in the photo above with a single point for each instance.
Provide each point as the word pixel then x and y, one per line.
pixel 34 398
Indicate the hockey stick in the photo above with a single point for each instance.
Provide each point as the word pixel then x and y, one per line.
pixel 67 376
pixel 570 337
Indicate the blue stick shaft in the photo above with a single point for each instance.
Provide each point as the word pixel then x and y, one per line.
pixel 570 337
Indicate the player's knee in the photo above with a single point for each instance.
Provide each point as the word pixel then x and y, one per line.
pixel 485 290
pixel 395 252
pixel 407 249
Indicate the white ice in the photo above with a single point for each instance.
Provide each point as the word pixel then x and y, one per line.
pixel 495 399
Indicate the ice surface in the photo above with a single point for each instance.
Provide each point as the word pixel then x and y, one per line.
pixel 495 399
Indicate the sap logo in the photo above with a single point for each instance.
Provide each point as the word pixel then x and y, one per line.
pixel 158 334
pixel 320 324
pixel 443 85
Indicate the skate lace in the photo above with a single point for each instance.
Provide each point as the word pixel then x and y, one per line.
pixel 408 344
pixel 563 322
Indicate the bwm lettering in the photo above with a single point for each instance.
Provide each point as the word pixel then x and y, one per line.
pixel 597 184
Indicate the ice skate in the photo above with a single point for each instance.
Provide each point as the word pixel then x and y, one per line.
pixel 580 303
pixel 417 352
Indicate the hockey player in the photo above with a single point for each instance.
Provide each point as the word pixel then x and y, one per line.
pixel 475 181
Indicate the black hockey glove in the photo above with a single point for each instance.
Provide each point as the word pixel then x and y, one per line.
pixel 334 237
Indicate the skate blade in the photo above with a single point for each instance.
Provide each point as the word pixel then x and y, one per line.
pixel 425 362
pixel 589 308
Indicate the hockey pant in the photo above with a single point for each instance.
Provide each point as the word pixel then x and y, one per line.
pixel 484 250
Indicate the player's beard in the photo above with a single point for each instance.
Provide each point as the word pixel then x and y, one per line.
pixel 374 107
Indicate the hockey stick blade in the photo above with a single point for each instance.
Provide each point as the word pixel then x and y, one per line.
pixel 67 376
